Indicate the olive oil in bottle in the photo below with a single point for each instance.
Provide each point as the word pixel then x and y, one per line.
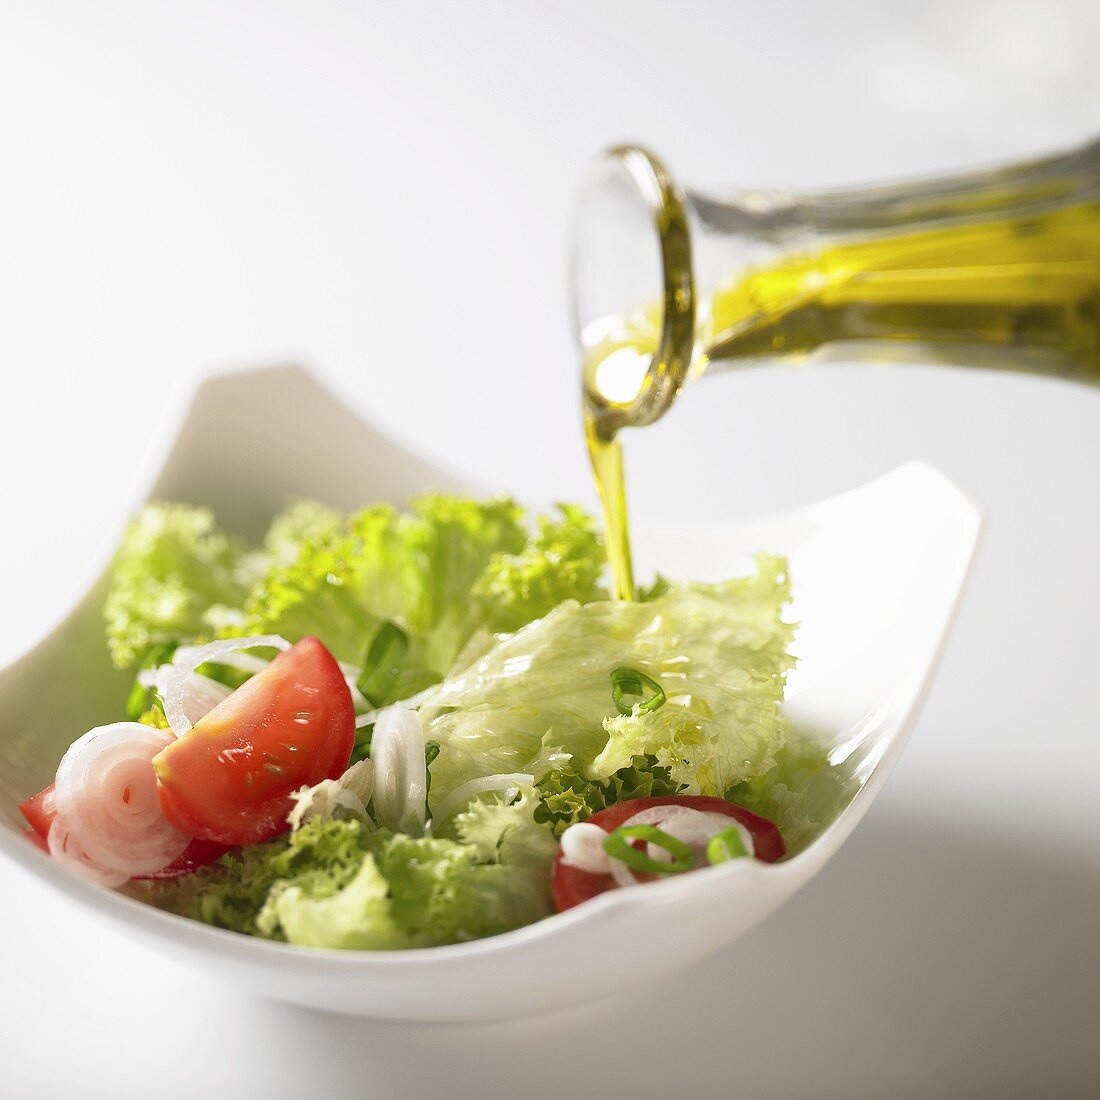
pixel 999 269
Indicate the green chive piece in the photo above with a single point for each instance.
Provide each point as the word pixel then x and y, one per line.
pixel 631 682
pixel 139 696
pixel 361 748
pixel 382 664
pixel 431 751
pixel 135 704
pixel 618 845
pixel 726 845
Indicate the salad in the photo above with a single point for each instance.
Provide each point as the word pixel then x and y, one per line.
pixel 400 729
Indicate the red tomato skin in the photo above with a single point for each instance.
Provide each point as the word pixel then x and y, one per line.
pixel 229 779
pixel 571 885
pixel 199 853
pixel 36 839
pixel 39 813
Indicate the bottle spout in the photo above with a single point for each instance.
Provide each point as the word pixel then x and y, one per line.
pixel 633 290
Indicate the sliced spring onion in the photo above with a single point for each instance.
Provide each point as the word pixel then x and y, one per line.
pixel 582 846
pixel 361 749
pixel 144 681
pixel 195 693
pixel 242 662
pixel 431 751
pixel 351 678
pixel 413 702
pixel 105 793
pixel 400 774
pixel 135 704
pixel 68 851
pixel 382 664
pixel 726 845
pixel 347 796
pixel 628 682
pixel 175 683
pixel 618 846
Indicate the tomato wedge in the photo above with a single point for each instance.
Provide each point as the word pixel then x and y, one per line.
pixel 230 778
pixel 572 885
pixel 39 812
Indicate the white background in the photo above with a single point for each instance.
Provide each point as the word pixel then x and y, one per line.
pixel 381 191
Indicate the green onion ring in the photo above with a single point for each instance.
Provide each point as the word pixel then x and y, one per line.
pixel 726 845
pixel 629 681
pixel 618 846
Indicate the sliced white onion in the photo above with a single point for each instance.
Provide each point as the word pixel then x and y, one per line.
pixel 582 847
pixel 66 849
pixel 457 799
pixel 174 681
pixel 688 824
pixel 400 773
pixel 195 694
pixel 350 793
pixel 107 802
pixel 246 662
pixel 694 827
pixel 226 651
pixel 622 874
pixel 351 678
pixel 411 703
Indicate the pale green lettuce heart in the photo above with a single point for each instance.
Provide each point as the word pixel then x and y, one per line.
pixel 719 651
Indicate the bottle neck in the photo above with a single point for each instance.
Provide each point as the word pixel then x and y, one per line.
pixel 1015 292
pixel 998 268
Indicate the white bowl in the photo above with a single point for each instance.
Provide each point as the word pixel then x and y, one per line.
pixel 877 574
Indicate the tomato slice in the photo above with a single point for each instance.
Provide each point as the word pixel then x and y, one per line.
pixel 572 885
pixel 230 778
pixel 39 811
pixel 36 839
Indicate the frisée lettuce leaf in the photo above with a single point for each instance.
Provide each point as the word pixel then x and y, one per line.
pixel 343 884
pixel 415 569
pixel 563 561
pixel 566 796
pixel 445 570
pixel 175 577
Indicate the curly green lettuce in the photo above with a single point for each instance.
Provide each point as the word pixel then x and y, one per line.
pixel 175 577
pixel 563 561
pixel 803 793
pixel 566 796
pixel 302 521
pixel 415 569
pixel 344 884
pixel 447 570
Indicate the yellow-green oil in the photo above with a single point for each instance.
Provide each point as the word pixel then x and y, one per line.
pixel 1020 293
